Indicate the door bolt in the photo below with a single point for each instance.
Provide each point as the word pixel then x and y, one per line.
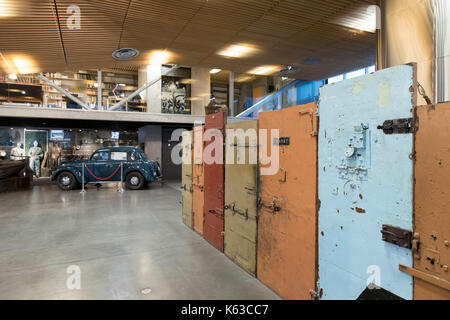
pixel 447 243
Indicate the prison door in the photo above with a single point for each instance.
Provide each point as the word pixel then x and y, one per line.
pixel 198 180
pixel 431 240
pixel 186 179
pixel 213 228
pixel 241 193
pixel 287 202
pixel 366 184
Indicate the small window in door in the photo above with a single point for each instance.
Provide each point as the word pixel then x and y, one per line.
pixel 101 155
pixel 119 156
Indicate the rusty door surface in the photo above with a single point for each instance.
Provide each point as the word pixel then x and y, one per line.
pixel 365 173
pixel 198 180
pixel 213 228
pixel 186 178
pixel 431 249
pixel 241 193
pixel 287 203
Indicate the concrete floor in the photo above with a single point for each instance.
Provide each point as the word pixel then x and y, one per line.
pixel 127 246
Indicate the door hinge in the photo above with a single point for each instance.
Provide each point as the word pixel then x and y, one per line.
pixel 398 126
pixel 395 235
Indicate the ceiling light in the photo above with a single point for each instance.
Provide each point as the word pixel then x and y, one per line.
pixel 263 70
pixel 7 9
pixel 159 57
pixel 367 23
pixel 13 76
pixel 125 53
pixel 236 51
pixel 24 92
pixel 289 70
pixel 214 71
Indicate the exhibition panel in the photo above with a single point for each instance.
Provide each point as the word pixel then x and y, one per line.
pixel 241 193
pixel 287 202
pixel 186 177
pixel 366 183
pixel 213 228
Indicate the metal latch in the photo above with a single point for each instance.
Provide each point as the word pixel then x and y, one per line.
pixel 236 210
pixel 397 126
pixel 272 206
pixel 400 237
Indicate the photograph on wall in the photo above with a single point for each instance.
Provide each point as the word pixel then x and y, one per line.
pixel 174 94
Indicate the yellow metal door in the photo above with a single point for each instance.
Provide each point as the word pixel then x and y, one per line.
pixel 431 242
pixel 241 193
pixel 198 180
pixel 186 179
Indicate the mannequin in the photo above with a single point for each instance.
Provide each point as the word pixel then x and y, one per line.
pixel 17 153
pixel 36 156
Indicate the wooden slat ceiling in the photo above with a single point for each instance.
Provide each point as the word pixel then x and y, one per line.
pixel 284 32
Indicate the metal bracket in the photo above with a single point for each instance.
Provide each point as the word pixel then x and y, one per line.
pixel 239 212
pixel 273 206
pixel 397 126
pixel 435 280
pixel 399 237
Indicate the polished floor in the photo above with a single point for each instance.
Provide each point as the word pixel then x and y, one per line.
pixel 129 245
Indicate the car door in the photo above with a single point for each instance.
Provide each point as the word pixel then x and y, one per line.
pixel 117 159
pixel 100 166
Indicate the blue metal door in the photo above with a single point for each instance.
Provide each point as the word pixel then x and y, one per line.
pixel 365 182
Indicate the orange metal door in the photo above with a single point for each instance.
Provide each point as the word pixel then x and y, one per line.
pixel 287 205
pixel 213 228
pixel 431 244
pixel 198 180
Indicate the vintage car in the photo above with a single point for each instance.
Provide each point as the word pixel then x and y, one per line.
pixel 109 165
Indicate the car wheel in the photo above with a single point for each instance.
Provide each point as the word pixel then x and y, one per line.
pixel 135 181
pixel 158 169
pixel 67 181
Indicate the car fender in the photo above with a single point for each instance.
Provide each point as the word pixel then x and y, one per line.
pixel 143 168
pixel 72 169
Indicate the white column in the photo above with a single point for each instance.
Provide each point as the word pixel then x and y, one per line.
pixel 154 92
pixel 99 90
pixel 231 94
pixel 407 36
pixel 200 90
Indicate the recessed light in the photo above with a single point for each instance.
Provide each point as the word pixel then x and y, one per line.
pixel 263 70
pixel 214 71
pixel 236 51
pixel 125 53
pixel 159 57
